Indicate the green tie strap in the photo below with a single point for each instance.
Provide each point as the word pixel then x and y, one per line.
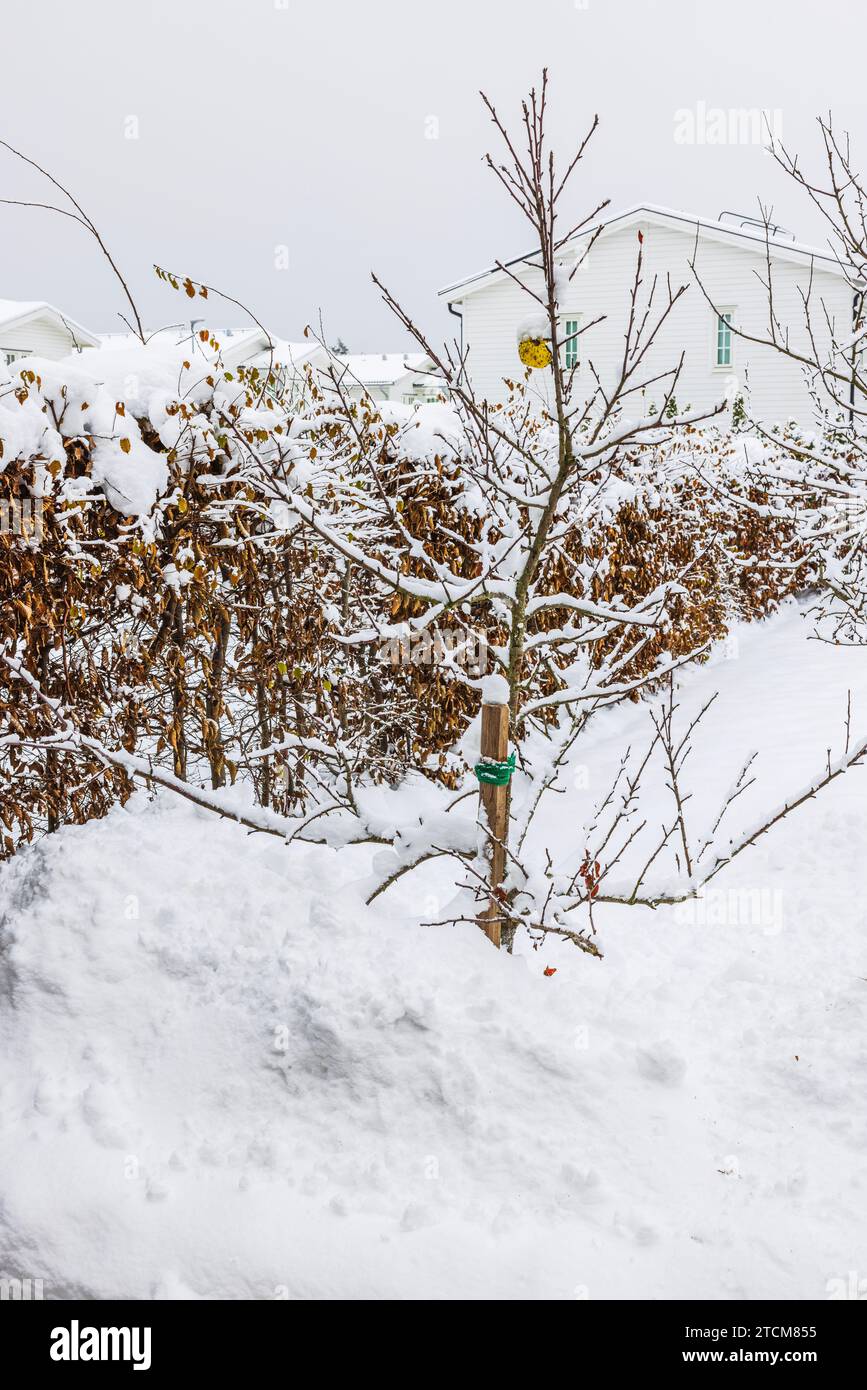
pixel 495 774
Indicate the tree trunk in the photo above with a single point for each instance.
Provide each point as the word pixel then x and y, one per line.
pixel 493 810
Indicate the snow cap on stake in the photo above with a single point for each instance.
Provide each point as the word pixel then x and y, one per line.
pixel 495 690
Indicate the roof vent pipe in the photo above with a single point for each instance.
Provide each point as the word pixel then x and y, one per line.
pixel 744 220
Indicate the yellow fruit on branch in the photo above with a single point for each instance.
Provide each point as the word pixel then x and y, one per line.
pixel 535 352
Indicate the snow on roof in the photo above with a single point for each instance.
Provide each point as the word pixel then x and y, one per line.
pixel 174 333
pixel 18 311
pixel 383 368
pixel 653 212
pixel 11 309
pixel 239 345
pixel 295 353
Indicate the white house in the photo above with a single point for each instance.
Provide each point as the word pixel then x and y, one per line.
pixel 238 348
pixel 260 349
pixel 731 259
pixel 407 377
pixel 36 329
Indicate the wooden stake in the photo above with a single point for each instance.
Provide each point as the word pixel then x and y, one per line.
pixel 493 812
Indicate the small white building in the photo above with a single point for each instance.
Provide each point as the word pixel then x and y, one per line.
pixel 407 377
pixel 36 329
pixel 731 259
pixel 247 348
pixel 287 360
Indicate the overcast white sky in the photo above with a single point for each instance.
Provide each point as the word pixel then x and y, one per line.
pixel 265 124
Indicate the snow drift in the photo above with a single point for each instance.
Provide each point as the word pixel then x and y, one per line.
pixel 225 1077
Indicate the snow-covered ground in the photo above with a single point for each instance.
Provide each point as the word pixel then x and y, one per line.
pixel 224 1076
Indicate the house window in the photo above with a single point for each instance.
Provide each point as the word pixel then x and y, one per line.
pixel 570 344
pixel 724 339
pixel 423 396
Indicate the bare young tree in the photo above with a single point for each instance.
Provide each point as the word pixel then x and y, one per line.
pixel 533 477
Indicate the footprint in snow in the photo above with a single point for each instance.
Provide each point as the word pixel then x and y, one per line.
pixel 661 1064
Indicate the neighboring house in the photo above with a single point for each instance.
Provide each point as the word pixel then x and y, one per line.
pixel 248 348
pixel 407 377
pixel 731 261
pixel 36 329
pixel 288 361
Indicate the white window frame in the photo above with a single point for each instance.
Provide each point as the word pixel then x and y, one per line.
pixel 727 313
pixel 570 350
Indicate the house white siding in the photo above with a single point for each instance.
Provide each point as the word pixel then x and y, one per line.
pixel 37 329
pixel 38 338
pixel 730 269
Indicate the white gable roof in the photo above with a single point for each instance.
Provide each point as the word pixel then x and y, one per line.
pixel 649 213
pixel 15 313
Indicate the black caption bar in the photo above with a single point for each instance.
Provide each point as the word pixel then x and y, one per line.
pixel 151 1340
